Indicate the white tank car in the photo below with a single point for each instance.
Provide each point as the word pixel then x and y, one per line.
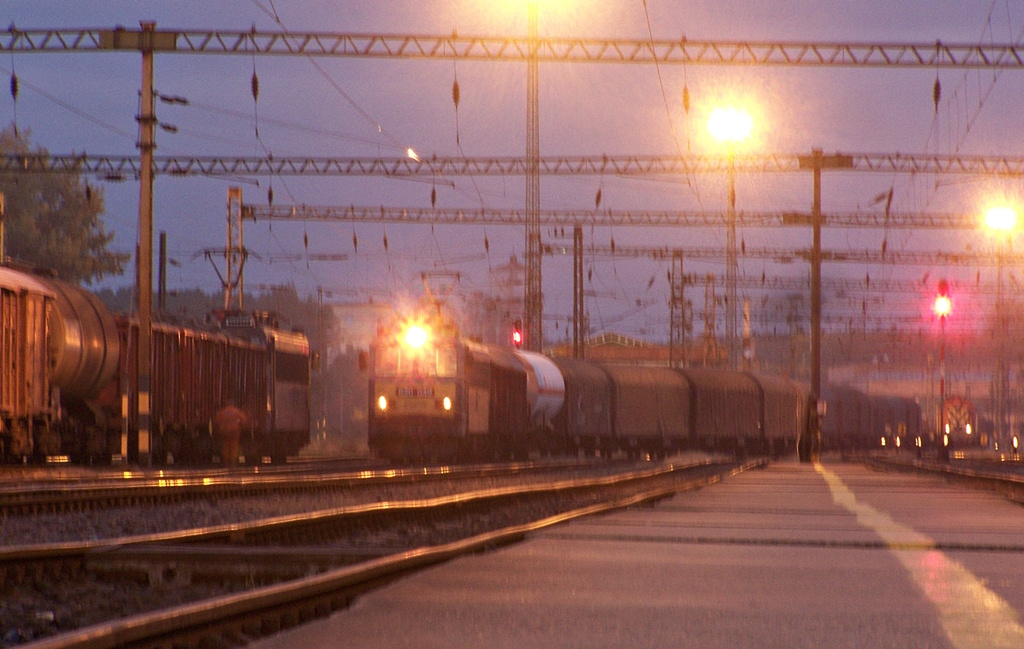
pixel 545 388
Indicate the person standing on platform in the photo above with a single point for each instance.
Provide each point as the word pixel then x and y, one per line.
pixel 227 431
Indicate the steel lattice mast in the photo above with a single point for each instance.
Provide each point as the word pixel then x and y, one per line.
pixel 533 299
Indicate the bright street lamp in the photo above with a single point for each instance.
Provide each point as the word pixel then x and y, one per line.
pixel 1002 220
pixel 730 125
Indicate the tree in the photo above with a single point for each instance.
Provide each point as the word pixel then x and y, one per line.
pixel 53 220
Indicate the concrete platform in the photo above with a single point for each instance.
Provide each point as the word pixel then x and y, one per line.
pixel 831 555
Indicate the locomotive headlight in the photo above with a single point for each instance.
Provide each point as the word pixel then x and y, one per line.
pixel 967 429
pixel 416 336
pixel 446 403
pixel 382 403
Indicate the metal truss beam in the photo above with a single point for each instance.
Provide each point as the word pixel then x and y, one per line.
pixel 121 167
pixel 903 258
pixel 683 51
pixel 574 218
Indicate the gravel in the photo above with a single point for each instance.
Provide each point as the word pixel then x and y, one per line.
pixel 39 606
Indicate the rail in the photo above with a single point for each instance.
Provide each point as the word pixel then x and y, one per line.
pixel 269 609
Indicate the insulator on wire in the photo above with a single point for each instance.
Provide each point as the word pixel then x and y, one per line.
pixel 456 95
pixel 487 245
pixel 255 86
pixel 355 242
pixel 385 242
pixel 686 100
pixel 433 197
pixel 936 94
pixel 597 199
pixel 14 86
pixel 270 196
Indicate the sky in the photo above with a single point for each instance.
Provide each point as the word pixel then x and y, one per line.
pixel 357 107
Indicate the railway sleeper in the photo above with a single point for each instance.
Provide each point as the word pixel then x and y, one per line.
pixel 224 566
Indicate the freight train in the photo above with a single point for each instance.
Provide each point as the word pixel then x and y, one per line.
pixel 436 396
pixel 68 383
pixel 857 421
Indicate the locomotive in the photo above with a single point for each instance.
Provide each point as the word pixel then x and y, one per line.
pixel 68 383
pixel 436 396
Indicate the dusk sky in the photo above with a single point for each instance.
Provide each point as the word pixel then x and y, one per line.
pixel 344 107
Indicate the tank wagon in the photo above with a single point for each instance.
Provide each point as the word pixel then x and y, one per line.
pixel 68 384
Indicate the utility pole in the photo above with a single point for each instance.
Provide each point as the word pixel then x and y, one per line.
pixel 147 124
pixel 710 340
pixel 534 299
pixel 146 41
pixel 234 251
pixel 677 326
pixel 161 278
pixel 731 270
pixel 579 331
pixel 816 162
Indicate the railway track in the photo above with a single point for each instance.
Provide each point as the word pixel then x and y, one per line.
pixel 43 491
pixel 1003 477
pixel 278 572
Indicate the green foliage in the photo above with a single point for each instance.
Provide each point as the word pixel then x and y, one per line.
pixel 53 220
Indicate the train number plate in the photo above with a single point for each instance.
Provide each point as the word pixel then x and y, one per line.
pixel 414 392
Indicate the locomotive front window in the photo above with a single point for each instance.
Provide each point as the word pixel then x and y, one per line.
pixel 403 361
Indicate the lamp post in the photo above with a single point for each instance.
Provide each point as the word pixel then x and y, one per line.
pixel 943 306
pixel 1002 220
pixel 730 126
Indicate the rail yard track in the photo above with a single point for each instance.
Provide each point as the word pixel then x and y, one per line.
pixel 230 582
pixel 1001 476
pixel 36 490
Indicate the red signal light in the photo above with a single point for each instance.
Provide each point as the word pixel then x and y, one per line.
pixel 517 334
pixel 943 304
